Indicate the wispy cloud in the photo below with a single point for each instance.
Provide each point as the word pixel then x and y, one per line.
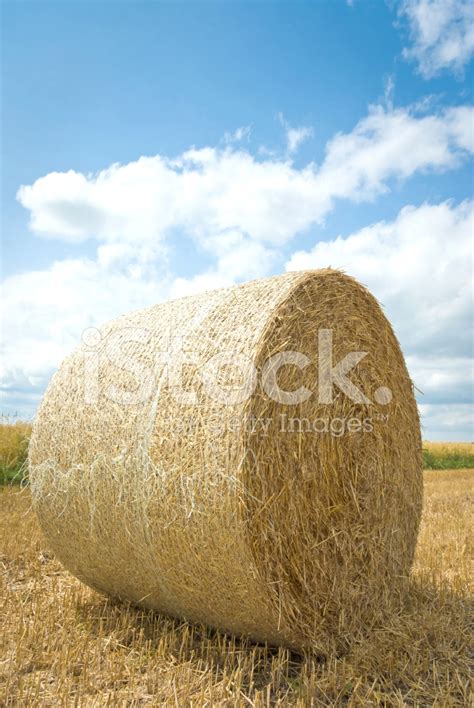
pixel 389 91
pixel 242 133
pixel 294 136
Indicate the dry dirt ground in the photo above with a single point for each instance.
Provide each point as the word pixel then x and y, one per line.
pixel 64 645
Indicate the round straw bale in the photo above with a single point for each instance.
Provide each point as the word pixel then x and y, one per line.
pixel 249 487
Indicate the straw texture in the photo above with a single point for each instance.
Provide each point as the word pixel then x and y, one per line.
pixel 234 515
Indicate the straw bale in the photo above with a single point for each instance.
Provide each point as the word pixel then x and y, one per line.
pixel 265 518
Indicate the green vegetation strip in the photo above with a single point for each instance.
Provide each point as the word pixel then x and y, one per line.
pixel 447 461
pixel 12 475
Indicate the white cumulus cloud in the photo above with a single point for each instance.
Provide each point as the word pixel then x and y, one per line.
pixel 211 192
pixel 442 34
pixel 239 212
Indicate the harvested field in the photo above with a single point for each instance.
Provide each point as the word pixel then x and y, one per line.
pixel 63 644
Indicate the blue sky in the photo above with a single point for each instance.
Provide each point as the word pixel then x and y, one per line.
pixel 332 133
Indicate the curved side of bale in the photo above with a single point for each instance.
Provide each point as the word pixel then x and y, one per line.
pixel 219 513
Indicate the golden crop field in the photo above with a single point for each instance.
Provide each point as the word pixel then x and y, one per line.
pixel 449 448
pixel 63 644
